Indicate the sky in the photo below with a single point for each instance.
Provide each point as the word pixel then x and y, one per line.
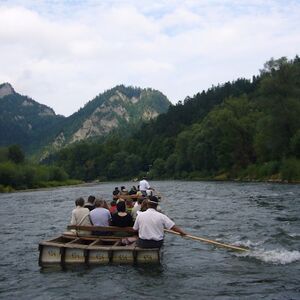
pixel 63 53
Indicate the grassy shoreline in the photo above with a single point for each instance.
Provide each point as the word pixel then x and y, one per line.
pixel 43 186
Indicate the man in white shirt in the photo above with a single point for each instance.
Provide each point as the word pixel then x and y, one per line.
pixel 151 224
pixel 144 186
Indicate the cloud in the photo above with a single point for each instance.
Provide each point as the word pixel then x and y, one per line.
pixel 64 53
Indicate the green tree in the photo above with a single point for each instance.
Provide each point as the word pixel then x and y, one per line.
pixel 295 144
pixel 16 154
pixel 279 99
pixel 158 168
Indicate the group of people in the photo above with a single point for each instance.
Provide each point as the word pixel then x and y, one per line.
pixel 97 212
pixel 143 189
pixel 139 212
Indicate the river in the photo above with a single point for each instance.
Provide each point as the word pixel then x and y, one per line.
pixel 264 217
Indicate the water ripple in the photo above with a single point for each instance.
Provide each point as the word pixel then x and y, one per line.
pixel 261 216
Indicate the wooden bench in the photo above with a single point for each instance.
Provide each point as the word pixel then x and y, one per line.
pixel 116 232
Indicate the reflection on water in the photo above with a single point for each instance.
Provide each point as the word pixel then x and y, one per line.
pixel 264 217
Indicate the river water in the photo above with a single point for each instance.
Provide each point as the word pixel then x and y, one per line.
pixel 264 217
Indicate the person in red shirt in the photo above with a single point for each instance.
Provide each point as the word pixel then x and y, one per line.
pixel 113 207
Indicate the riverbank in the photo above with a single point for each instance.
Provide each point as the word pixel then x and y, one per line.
pixel 44 186
pixel 76 183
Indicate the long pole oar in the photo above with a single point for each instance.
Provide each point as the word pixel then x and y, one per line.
pixel 196 238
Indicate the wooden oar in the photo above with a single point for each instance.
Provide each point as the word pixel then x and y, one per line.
pixel 208 241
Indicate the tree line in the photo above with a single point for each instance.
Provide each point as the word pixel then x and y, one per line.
pixel 246 129
pixel 18 173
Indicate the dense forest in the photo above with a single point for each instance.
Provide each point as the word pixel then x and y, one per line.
pixel 16 173
pixel 240 130
pixel 246 129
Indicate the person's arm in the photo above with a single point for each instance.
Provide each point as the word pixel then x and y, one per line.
pixel 178 229
pixel 73 219
pixel 136 224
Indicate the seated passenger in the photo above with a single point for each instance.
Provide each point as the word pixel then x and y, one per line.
pixel 129 205
pixel 90 203
pixel 113 207
pixel 121 218
pixel 123 191
pixel 116 193
pixel 138 192
pixel 100 216
pixel 105 205
pixel 80 216
pixel 133 191
pixel 136 208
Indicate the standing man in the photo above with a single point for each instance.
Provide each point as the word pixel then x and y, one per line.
pixel 151 224
pixel 144 186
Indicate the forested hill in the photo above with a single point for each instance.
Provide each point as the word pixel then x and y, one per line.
pixel 248 129
pixel 38 129
pixel 24 121
pixel 120 109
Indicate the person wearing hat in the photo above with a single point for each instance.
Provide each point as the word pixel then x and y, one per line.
pixel 151 224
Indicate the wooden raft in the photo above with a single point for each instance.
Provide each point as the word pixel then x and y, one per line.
pixel 75 249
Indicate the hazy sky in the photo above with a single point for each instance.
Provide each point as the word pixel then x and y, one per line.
pixel 64 53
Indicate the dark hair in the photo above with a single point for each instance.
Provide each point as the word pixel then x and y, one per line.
pixel 99 202
pixel 121 207
pixel 91 199
pixel 153 202
pixel 144 205
pixel 79 201
pixel 153 199
pixel 113 203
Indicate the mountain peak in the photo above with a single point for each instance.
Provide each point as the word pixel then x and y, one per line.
pixel 6 89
